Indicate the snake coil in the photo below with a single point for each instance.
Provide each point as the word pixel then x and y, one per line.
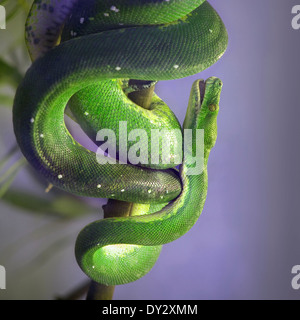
pixel 84 54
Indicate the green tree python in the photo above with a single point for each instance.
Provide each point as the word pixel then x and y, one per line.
pixel 84 54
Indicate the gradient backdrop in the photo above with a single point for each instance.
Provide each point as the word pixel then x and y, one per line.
pixel 247 239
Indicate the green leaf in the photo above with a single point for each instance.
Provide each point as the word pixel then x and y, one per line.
pixel 63 206
pixel 9 74
pixel 6 185
pixel 6 101
pixel 13 169
pixel 8 156
pixel 13 8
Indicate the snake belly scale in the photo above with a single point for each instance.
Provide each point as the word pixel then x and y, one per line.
pixel 84 54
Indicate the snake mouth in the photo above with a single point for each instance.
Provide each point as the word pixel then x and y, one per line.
pixel 202 85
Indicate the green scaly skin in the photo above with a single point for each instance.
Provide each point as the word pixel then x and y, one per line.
pixel 104 44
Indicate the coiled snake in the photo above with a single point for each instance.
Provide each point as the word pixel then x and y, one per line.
pixel 103 45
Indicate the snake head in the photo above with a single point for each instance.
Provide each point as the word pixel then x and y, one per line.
pixel 204 101
pixel 203 109
pixel 207 118
pixel 210 92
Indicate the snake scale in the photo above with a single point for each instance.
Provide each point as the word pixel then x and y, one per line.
pixel 85 54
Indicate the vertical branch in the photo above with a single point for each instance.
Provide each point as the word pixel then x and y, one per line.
pixel 116 208
pixel 99 291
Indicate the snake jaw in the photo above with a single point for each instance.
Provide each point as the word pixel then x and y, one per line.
pixel 202 87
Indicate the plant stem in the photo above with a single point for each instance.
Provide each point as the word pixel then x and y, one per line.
pixel 99 291
pixel 116 208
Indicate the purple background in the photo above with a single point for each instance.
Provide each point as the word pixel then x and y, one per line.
pixel 247 239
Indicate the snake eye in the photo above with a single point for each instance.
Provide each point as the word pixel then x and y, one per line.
pixel 212 107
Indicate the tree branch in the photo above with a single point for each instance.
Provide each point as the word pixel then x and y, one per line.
pixel 116 208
